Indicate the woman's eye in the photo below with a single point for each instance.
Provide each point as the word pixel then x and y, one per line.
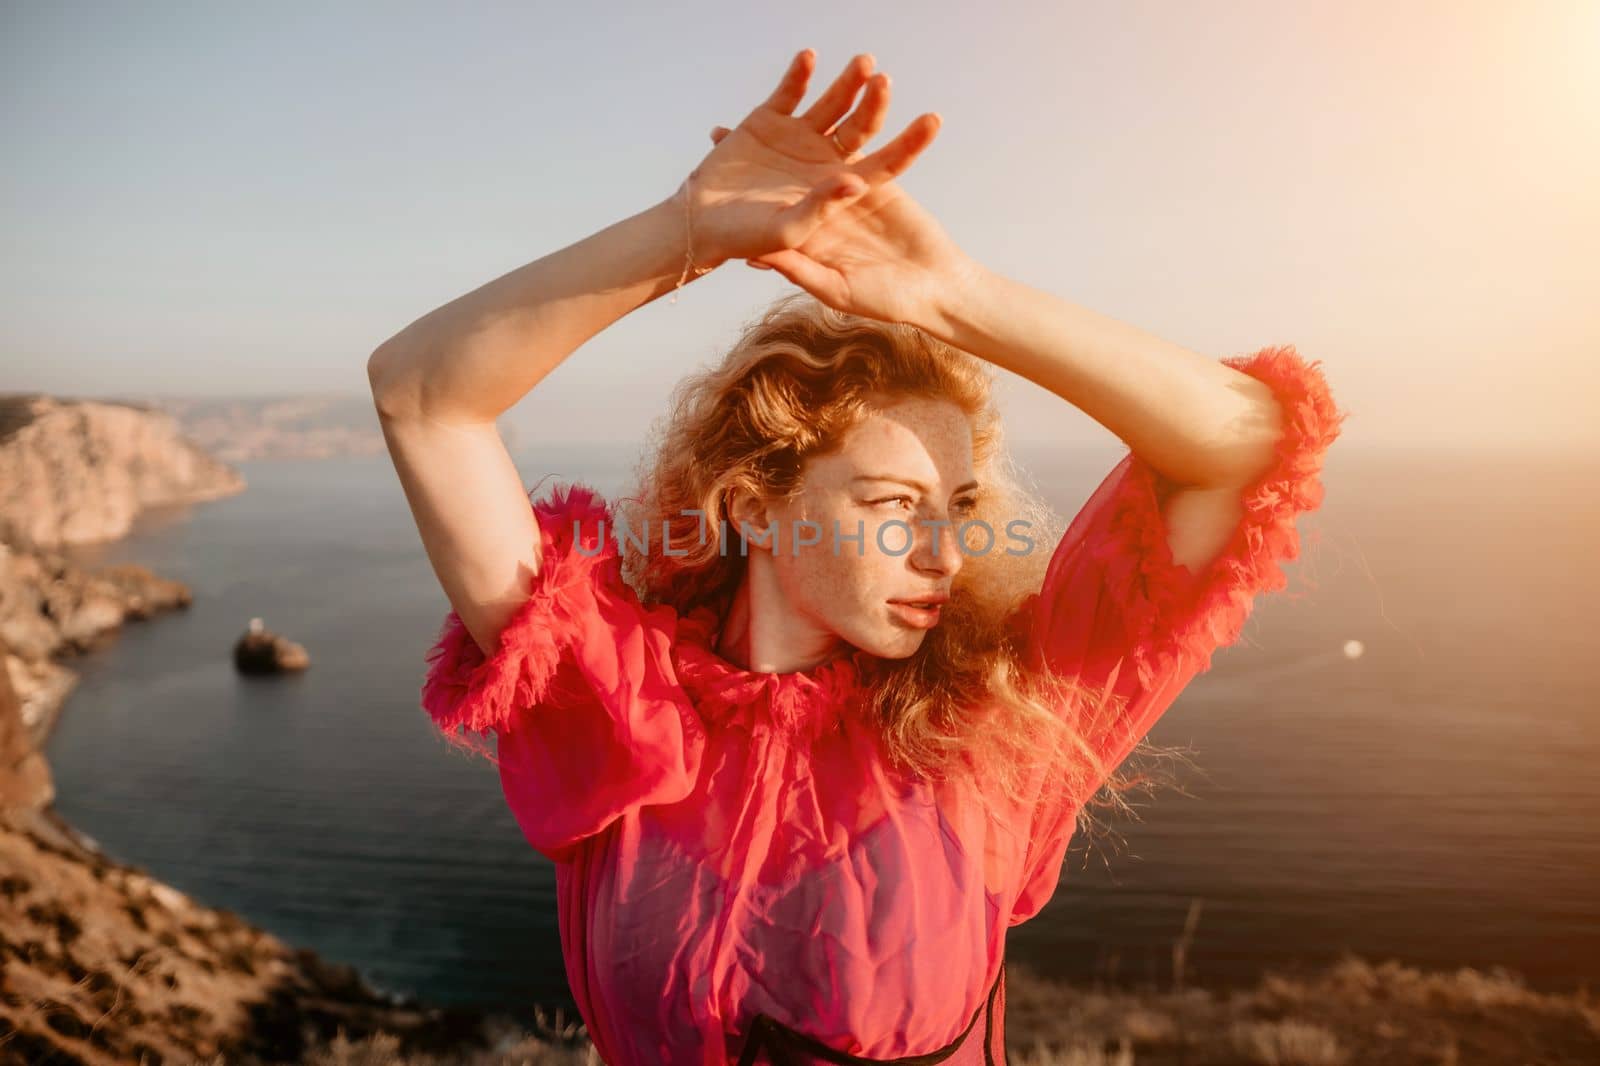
pixel 964 507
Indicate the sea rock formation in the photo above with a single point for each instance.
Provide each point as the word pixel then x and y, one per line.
pixel 99 962
pixel 80 472
pixel 104 964
pixel 49 607
pixel 260 651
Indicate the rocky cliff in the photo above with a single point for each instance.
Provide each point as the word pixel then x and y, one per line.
pixel 50 608
pixel 99 961
pixel 105 964
pixel 80 472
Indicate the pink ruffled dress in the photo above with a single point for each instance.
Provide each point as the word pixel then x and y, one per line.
pixel 740 877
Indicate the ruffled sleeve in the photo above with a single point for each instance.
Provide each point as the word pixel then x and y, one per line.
pixel 588 718
pixel 1116 611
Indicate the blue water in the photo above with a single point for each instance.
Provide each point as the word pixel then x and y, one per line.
pixel 1434 801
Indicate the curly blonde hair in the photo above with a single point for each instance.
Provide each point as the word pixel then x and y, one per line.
pixel 796 381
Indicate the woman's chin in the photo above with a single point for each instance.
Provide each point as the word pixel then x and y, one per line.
pixel 898 643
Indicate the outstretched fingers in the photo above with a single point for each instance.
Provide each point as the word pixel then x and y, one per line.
pixel 792 86
pixel 896 157
pixel 888 162
pixel 832 105
pixel 865 122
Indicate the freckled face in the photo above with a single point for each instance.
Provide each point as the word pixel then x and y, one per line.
pixel 909 463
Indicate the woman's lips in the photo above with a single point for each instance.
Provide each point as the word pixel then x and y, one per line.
pixel 919 617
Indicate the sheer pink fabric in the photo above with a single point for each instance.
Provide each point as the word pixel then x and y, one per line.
pixel 730 843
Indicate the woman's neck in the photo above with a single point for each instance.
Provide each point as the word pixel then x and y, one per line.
pixel 761 633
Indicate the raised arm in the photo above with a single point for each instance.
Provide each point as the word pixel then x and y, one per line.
pixel 1206 427
pixel 440 383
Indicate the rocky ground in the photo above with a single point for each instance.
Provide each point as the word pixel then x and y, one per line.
pixel 1352 1012
pixel 103 963
pixel 99 961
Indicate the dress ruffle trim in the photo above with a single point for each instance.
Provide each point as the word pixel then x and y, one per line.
pixel 1177 611
pixel 800 706
pixel 463 687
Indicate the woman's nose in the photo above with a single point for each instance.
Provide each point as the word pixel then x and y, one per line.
pixel 937 550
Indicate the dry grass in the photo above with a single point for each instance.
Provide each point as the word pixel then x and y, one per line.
pixel 1040 1054
pixel 1287 1043
pixel 1352 1012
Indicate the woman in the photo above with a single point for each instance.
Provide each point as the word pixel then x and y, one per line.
pixel 828 741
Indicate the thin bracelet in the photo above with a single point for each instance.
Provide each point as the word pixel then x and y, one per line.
pixel 688 253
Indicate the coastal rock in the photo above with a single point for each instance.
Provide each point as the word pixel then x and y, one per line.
pixel 262 652
pixel 80 472
pixel 25 781
pixel 49 607
pixel 104 964
pixel 101 963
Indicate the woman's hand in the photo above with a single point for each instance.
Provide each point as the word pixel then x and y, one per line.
pixel 789 193
pixel 883 257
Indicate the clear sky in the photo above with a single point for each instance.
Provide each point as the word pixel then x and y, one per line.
pixel 244 198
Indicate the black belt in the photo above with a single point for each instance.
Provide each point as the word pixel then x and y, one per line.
pixel 779 1041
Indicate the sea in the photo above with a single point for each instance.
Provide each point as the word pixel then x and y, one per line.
pixel 1399 759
